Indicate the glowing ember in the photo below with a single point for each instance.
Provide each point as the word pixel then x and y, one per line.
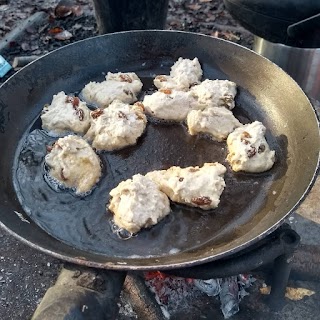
pixel 173 293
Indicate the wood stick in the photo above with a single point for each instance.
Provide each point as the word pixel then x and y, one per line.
pixel 19 62
pixel 36 19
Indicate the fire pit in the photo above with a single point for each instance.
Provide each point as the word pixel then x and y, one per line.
pixel 98 290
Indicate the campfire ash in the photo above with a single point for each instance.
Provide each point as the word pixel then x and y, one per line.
pixel 176 294
pixel 126 308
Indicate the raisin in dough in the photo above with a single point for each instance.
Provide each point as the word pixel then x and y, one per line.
pixel 65 114
pixel 117 86
pixel 117 126
pixel 184 73
pixel 167 104
pixel 215 93
pixel 194 186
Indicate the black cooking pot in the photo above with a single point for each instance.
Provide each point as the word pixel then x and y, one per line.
pixel 292 22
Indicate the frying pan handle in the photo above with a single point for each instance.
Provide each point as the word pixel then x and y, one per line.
pixel 297 29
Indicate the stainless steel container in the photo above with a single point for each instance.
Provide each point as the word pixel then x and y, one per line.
pixel 302 64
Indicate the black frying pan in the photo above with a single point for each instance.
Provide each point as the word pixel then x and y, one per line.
pixel 78 230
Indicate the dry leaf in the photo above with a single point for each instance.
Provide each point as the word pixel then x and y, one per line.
pixel 64 35
pixel 265 290
pixel 296 294
pixel 215 34
pixel 66 8
pixel 88 28
pixel 293 294
pixel 25 46
pixel 62 11
pixel 194 6
pixel 229 36
pixel 55 30
pixel 77 10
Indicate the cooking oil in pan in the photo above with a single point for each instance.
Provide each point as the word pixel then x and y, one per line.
pixel 59 187
pixel 123 234
pixel 52 182
pixel 83 222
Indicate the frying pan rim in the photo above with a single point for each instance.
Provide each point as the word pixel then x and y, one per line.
pixel 156 31
pixel 174 265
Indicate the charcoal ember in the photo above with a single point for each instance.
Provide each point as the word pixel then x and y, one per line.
pixel 245 281
pixel 172 293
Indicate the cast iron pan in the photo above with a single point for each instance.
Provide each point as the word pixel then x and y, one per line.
pixel 78 229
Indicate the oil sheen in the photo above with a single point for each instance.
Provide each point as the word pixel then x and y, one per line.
pixel 83 221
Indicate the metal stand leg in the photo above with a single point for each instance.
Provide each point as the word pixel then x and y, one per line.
pixel 281 269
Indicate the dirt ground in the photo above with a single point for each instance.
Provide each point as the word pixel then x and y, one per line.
pixel 26 274
pixel 203 16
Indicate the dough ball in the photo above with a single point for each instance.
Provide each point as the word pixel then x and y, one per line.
pixel 218 122
pixel 132 80
pixel 184 73
pixel 65 114
pixel 215 93
pixel 117 126
pixel 138 203
pixel 170 104
pixel 117 86
pixel 194 186
pixel 74 164
pixel 249 150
